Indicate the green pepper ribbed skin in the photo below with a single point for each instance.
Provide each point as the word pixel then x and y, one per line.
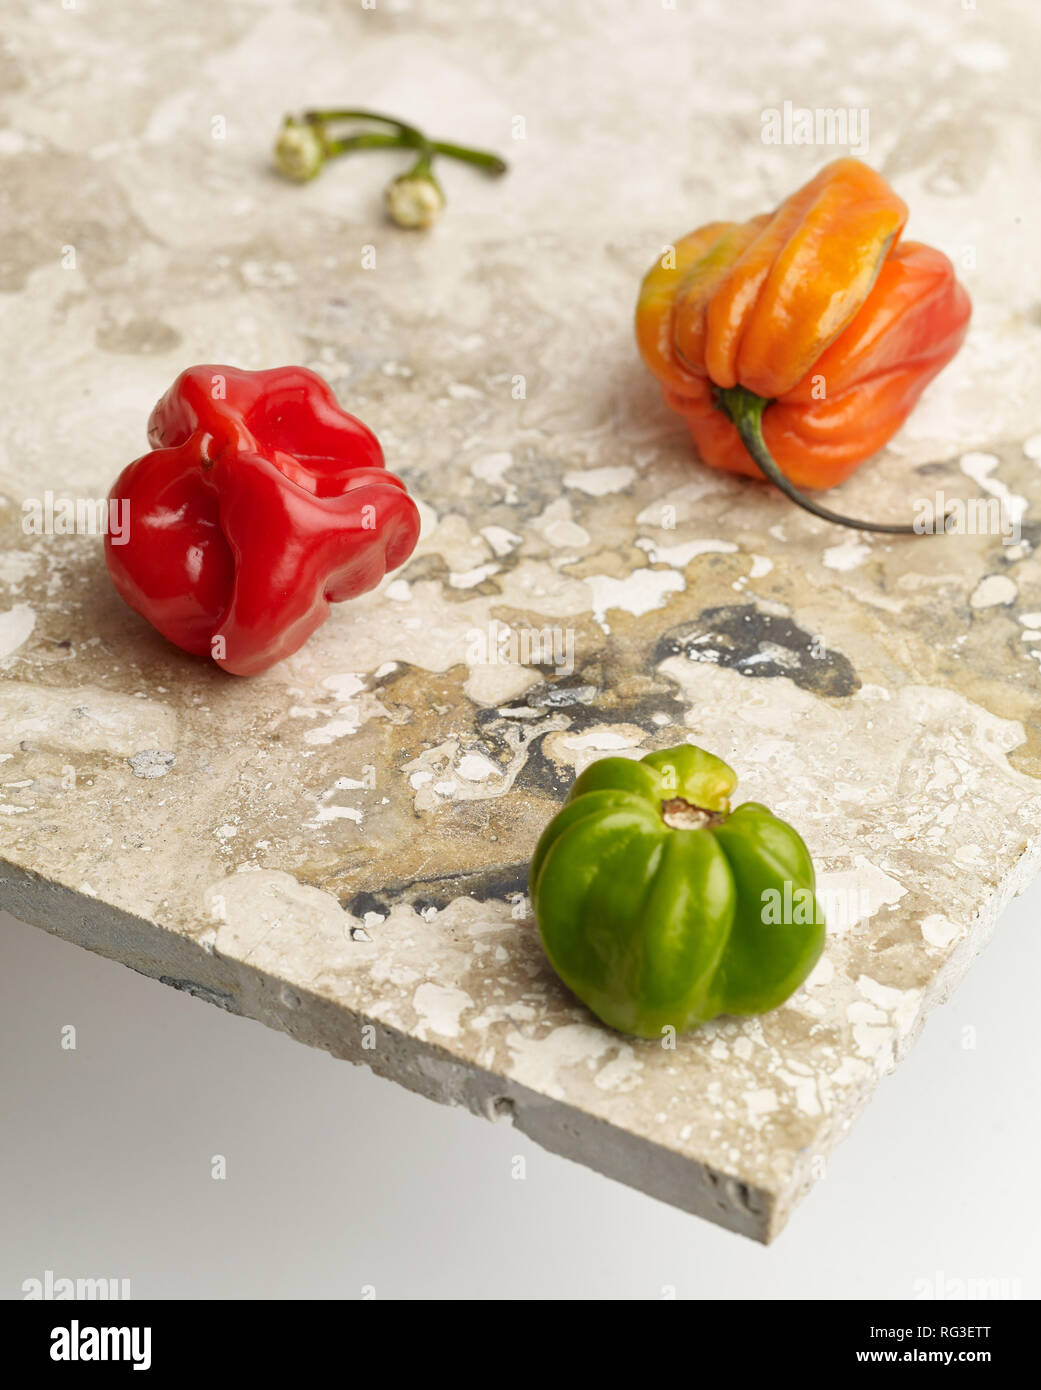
pixel 654 926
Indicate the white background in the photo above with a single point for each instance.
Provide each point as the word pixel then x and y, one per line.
pixel 337 1180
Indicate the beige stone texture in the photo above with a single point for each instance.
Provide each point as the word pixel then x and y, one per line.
pixel 338 848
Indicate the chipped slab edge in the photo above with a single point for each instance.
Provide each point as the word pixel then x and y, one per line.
pixel 428 1070
pixel 417 1065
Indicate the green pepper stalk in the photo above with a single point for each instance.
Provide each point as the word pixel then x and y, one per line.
pixel 415 198
pixel 660 907
pixel 412 136
pixel 745 409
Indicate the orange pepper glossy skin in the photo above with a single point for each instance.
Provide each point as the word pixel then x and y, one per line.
pixel 819 308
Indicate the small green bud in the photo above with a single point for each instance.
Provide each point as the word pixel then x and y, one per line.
pixel 415 200
pixel 300 150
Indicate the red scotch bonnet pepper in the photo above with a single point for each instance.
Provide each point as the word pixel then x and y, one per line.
pixel 261 503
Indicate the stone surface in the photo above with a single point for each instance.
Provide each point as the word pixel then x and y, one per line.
pixel 339 847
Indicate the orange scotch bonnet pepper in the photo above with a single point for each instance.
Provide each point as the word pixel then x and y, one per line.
pixel 796 344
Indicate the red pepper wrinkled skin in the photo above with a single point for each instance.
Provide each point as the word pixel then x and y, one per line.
pixel 261 503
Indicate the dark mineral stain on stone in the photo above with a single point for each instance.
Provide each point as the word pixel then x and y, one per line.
pixel 561 696
pixel 583 705
pixel 540 774
pixel 438 890
pixel 759 644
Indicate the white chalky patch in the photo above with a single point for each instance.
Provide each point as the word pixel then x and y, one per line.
pixel 847 555
pixel 679 556
pixel 598 482
pixel 475 767
pixel 804 1087
pixel 501 540
pixel 992 591
pixel 902 1005
pixel 468 578
pixel 17 565
pixel 335 729
pixel 539 1062
pixel 979 467
pixel 439 1008
pixel 760 1103
pixel 344 686
pixel 330 813
pixel 857 894
pixel 16 627
pixel 637 594
pixel 492 469
pixel 603 740
pixel 940 931
pixel 270 919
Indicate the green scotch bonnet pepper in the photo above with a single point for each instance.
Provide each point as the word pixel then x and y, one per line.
pixel 657 904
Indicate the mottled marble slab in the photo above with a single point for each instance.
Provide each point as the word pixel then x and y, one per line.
pixel 339 848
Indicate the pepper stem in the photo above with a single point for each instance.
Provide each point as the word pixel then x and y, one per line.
pixel 481 159
pixel 407 136
pixel 680 814
pixel 369 140
pixel 421 168
pixel 745 410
